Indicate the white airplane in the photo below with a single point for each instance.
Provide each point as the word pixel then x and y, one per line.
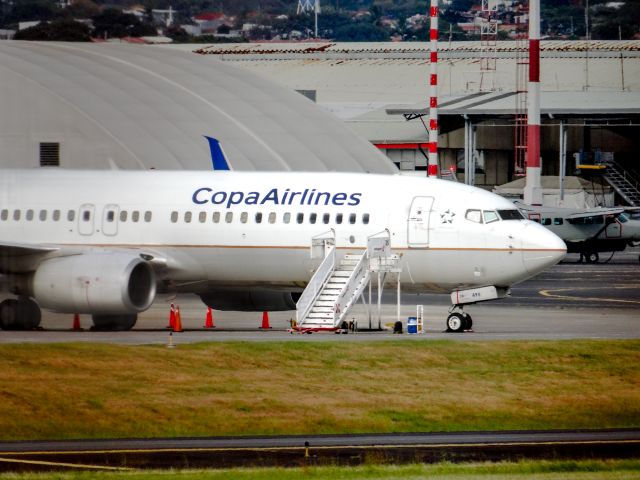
pixel 106 243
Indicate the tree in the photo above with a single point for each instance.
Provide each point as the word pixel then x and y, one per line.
pixel 115 24
pixel 59 30
pixel 360 32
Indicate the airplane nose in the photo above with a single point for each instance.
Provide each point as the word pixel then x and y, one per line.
pixel 541 248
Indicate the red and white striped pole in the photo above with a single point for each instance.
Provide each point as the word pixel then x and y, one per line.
pixel 533 187
pixel 432 168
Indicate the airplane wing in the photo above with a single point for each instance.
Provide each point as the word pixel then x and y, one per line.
pixel 11 249
pixel 595 212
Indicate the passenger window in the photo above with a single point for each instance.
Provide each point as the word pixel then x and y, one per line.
pixel 202 217
pixel 56 215
pixel 71 215
pixel 147 216
pixel 174 216
pixel 258 217
pixel 338 218
pixel 187 217
pixel 300 218
pixel 272 217
pixel 43 215
pixel 29 215
pixel 135 216
pixel 244 216
pixel 313 217
pixel 228 217
pixel 4 214
pixel 546 221
pixel 111 216
pixel 365 218
pixel 123 216
pixel 325 218
pixel 16 215
pixel 216 217
pixel 473 216
pixel 558 221
pixel 490 216
pixel 86 215
pixel 286 217
pixel 352 218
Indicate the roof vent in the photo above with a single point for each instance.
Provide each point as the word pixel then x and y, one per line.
pixel 49 154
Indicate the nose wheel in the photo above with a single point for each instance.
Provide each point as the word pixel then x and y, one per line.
pixel 458 322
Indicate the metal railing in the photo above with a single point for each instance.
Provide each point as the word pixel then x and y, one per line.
pixel 350 289
pixel 315 285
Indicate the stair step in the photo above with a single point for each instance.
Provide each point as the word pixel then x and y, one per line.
pixel 325 309
pixel 325 303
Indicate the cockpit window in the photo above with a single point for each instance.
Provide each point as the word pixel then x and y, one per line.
pixel 490 216
pixel 474 216
pixel 623 218
pixel 510 214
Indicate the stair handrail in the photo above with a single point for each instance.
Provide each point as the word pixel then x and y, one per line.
pixel 315 285
pixel 627 176
pixel 361 269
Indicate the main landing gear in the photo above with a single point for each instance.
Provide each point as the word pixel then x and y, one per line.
pixel 458 321
pixel 589 257
pixel 20 313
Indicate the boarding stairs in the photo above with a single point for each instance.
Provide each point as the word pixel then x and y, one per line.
pixel 332 291
pixel 623 182
pixel 337 284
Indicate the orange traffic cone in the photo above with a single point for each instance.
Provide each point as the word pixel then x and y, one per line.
pixel 172 317
pixel 265 321
pixel 76 323
pixel 177 326
pixel 209 321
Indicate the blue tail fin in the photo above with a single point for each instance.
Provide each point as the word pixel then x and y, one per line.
pixel 217 155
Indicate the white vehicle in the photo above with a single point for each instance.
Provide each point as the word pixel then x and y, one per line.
pixel 106 243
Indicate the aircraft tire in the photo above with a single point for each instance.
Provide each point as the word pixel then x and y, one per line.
pixel 592 257
pixel 113 323
pixel 19 314
pixel 456 323
pixel 468 322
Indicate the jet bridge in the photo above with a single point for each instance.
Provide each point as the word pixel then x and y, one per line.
pixel 338 283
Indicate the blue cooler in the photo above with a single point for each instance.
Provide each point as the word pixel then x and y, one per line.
pixel 412 325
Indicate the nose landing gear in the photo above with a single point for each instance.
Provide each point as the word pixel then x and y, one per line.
pixel 458 321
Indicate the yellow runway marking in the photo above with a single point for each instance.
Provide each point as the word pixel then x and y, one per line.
pixel 60 464
pixel 549 293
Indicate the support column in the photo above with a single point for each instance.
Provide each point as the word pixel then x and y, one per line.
pixel 432 168
pixel 562 149
pixel 533 187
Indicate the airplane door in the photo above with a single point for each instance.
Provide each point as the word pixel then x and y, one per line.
pixel 418 225
pixel 110 219
pixel 85 219
pixel 614 229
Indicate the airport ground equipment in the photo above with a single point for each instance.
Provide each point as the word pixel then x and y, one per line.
pixel 337 284
pixel 623 182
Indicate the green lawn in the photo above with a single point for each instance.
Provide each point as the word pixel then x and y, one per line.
pixel 579 470
pixel 87 391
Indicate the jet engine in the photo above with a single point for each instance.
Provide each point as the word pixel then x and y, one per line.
pixel 251 301
pixel 103 284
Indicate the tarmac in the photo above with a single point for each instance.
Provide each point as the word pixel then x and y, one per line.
pixel 570 301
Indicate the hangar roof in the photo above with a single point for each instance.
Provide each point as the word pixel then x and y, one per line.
pixel 551 103
pixel 147 107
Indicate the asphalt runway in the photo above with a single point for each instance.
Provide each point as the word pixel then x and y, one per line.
pixel 218 452
pixel 570 301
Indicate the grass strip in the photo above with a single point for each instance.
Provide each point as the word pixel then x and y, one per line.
pixel 96 391
pixel 547 470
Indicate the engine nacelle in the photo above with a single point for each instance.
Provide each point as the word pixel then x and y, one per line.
pixel 251 301
pixel 99 283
